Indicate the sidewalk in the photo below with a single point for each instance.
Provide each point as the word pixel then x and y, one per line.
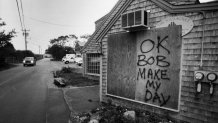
pixel 66 102
pixel 82 99
pixel 57 110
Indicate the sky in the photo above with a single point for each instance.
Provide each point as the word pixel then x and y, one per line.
pixel 49 19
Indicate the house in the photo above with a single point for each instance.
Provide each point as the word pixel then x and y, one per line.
pixel 78 46
pixel 159 56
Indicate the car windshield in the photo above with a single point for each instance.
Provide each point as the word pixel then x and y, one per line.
pixel 29 58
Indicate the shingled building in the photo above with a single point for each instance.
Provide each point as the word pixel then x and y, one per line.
pixel 158 55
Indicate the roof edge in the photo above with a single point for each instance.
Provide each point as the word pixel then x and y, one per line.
pixel 95 32
pixel 160 3
pixel 174 9
pixel 186 8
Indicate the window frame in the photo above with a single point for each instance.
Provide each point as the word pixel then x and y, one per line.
pixel 93 68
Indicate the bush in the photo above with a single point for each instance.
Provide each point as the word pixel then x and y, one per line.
pixel 67 70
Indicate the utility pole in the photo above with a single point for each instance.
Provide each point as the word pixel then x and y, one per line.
pixel 25 33
pixel 39 49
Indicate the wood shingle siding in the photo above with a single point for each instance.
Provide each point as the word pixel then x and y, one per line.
pixel 193 108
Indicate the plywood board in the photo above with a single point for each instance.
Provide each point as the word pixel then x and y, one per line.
pixel 122 65
pixel 158 67
pixel 145 66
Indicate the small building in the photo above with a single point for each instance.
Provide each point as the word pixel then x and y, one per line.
pixel 158 55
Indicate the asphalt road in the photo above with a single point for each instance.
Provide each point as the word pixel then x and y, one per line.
pixel 24 93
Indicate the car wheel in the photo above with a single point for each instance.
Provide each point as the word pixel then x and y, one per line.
pixel 24 65
pixel 66 62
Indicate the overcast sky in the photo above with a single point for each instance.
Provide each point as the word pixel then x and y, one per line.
pixel 48 19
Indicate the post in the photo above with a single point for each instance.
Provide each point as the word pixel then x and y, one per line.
pixel 100 88
pixel 25 33
pixel 39 49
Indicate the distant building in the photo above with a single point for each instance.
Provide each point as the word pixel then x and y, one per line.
pixel 78 47
pixel 47 56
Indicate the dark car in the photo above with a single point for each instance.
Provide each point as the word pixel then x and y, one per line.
pixel 29 61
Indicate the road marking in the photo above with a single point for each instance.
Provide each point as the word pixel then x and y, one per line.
pixel 13 77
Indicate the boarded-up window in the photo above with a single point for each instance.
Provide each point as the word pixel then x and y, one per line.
pixel 145 66
pixel 122 65
pixel 93 63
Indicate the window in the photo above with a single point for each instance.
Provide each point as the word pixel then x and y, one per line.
pixel 93 63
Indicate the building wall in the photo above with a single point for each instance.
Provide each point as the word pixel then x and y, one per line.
pixel 201 108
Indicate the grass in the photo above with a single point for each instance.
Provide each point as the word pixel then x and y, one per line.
pixel 74 78
pixel 77 79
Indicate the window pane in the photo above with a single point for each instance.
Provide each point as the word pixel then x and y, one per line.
pixel 93 63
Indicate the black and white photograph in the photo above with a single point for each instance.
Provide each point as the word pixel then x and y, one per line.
pixel 108 61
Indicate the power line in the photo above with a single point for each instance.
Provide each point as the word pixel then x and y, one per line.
pixel 22 13
pixel 42 21
pixel 34 43
pixel 39 46
pixel 19 15
pixel 25 32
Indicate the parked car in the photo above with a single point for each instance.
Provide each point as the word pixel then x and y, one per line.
pixel 79 61
pixel 29 61
pixel 68 60
pixel 63 58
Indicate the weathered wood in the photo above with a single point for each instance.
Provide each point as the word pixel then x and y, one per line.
pixel 151 57
pixel 122 65
pixel 192 45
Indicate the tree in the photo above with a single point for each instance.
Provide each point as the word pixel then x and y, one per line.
pixel 7 50
pixel 58 47
pixel 21 54
pixel 85 36
pixel 69 50
pixel 56 51
pixel 59 41
pixel 5 37
pixel 62 40
pixel 73 36
pixel 6 47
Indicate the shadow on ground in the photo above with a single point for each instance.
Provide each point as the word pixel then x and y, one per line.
pixel 7 66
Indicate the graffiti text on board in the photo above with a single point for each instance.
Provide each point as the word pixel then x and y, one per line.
pixel 151 75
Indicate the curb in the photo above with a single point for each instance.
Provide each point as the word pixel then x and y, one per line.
pixel 71 87
pixel 71 111
pixel 65 99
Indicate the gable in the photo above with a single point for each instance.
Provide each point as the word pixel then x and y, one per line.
pixel 122 6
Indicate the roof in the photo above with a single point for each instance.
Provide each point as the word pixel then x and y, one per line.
pixel 99 21
pixel 102 18
pixel 122 5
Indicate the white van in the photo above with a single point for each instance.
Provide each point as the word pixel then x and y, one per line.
pixel 68 60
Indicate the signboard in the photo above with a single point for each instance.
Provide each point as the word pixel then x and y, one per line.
pixel 187 23
pixel 145 67
pixel 158 67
